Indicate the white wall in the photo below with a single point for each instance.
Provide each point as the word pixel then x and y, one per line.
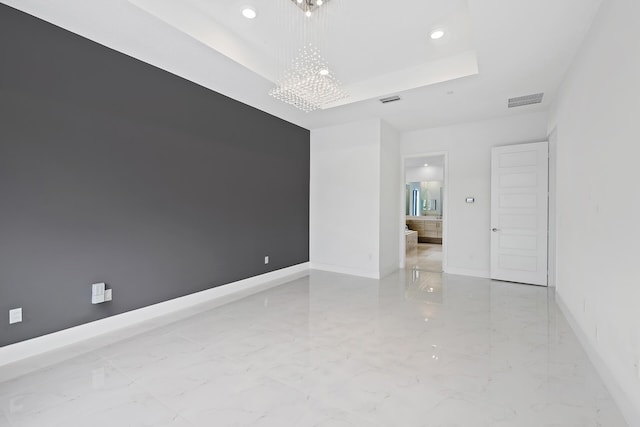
pixel 469 155
pixel 598 209
pixel 355 198
pixel 345 198
pixel 390 199
pixel 421 174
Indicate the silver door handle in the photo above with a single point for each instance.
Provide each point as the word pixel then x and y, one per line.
pixel 495 230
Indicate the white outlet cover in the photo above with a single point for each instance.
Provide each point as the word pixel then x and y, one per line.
pixel 97 289
pixel 15 315
pixel 97 293
pixel 266 260
pixel 108 294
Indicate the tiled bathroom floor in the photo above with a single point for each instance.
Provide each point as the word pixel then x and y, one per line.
pixel 413 349
pixel 426 256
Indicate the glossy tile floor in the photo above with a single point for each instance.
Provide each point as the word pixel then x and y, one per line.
pixel 426 256
pixel 414 349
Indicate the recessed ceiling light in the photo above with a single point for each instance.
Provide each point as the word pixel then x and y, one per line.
pixel 249 13
pixel 426 164
pixel 324 72
pixel 437 34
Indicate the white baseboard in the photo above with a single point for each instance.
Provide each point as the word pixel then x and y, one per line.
pixel 467 272
pixel 33 347
pixel 345 270
pixel 384 272
pixel 630 411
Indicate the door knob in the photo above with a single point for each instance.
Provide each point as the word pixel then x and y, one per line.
pixel 495 229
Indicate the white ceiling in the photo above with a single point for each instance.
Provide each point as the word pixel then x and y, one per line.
pixel 419 162
pixel 369 52
pixel 375 47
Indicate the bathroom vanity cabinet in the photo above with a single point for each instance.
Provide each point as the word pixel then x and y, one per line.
pixel 429 229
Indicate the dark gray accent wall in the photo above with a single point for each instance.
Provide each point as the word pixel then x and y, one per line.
pixel 113 170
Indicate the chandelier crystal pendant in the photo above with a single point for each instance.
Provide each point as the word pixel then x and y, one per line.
pixel 309 5
pixel 307 82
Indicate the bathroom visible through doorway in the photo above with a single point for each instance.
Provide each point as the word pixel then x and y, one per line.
pixel 424 212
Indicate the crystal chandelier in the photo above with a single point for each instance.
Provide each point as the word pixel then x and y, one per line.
pixel 307 82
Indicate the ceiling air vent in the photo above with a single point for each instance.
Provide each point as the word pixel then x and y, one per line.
pixel 390 99
pixel 525 100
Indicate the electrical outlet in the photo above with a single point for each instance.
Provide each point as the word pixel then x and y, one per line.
pixel 15 315
pixel 266 259
pixel 97 293
pixel 108 295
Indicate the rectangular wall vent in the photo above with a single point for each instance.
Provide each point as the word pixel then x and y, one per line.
pixel 526 100
pixel 390 99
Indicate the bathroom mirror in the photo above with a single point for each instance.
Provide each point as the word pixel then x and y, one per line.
pixel 424 198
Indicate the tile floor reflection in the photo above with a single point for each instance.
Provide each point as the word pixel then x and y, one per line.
pixel 413 349
pixel 426 256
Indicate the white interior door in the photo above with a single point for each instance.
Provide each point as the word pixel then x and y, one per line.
pixel 519 213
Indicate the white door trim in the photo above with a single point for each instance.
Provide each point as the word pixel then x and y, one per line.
pixel 445 209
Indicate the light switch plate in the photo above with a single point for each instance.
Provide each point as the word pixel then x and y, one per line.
pixel 108 294
pixel 15 315
pixel 266 260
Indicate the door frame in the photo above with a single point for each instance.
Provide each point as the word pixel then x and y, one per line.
pixel 445 206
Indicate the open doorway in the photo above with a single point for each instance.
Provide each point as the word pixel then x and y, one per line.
pixel 424 212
